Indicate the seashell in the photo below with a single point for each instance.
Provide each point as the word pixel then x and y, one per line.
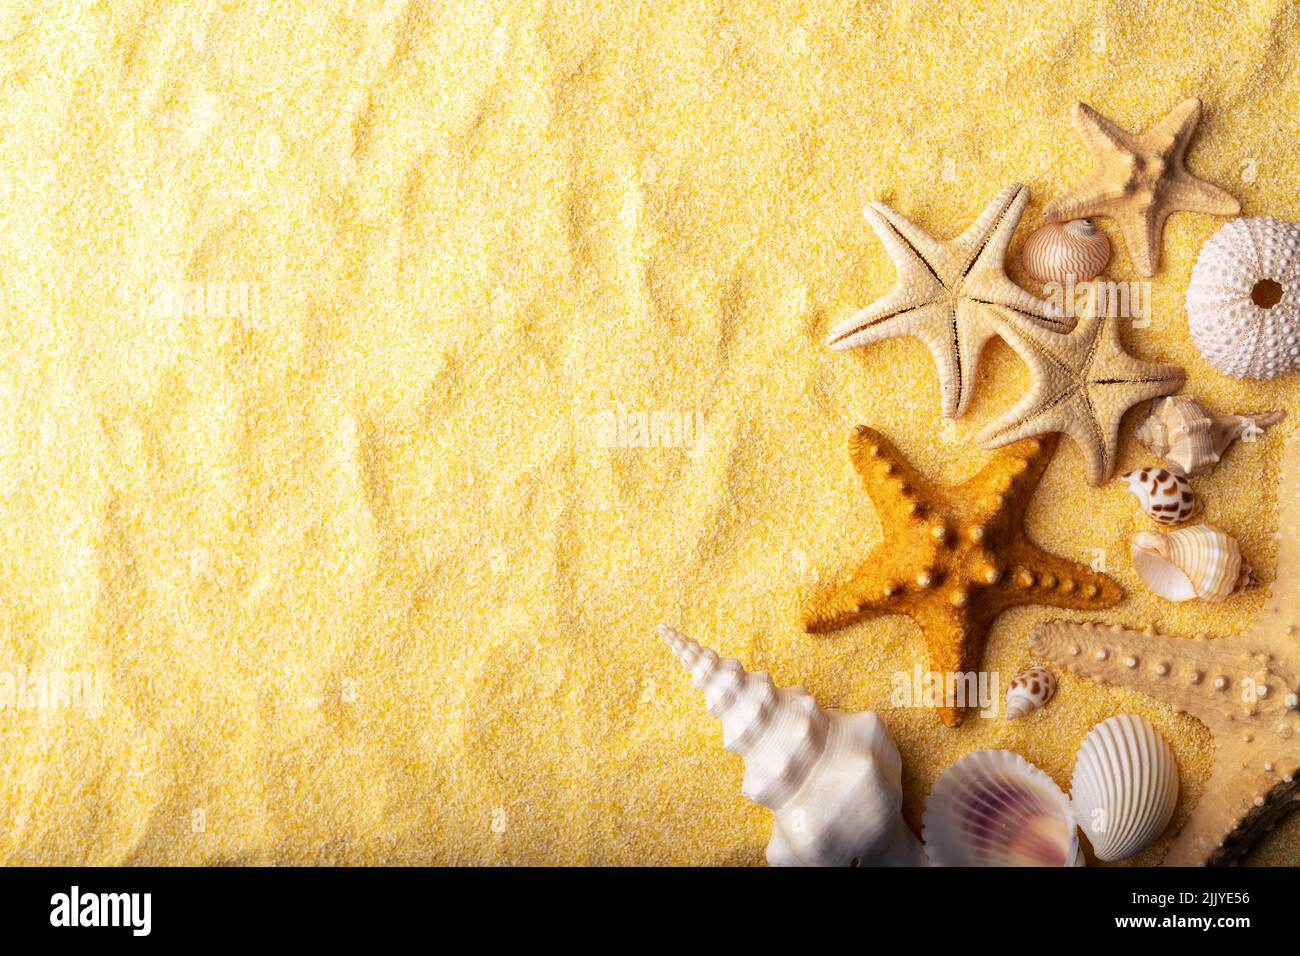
pixel 1029 691
pixel 1125 786
pixel 1243 300
pixel 1190 439
pixel 1166 497
pixel 1074 251
pixel 833 780
pixel 995 808
pixel 1200 561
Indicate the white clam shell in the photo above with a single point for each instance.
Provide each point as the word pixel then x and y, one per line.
pixel 1029 691
pixel 1125 786
pixel 831 779
pixel 1074 251
pixel 1196 562
pixel 995 808
pixel 1166 497
pixel 1243 300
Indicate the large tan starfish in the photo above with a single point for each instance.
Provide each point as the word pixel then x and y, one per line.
pixel 1083 383
pixel 949 294
pixel 1245 689
pixel 953 559
pixel 1139 179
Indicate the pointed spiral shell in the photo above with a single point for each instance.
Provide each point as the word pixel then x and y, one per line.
pixel 1066 251
pixel 1196 562
pixel 1243 300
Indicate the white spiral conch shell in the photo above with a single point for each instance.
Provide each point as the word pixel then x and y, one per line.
pixel 995 808
pixel 1243 300
pixel 1166 497
pixel 1074 251
pixel 1125 786
pixel 833 780
pixel 1190 439
pixel 1196 562
pixel 1029 691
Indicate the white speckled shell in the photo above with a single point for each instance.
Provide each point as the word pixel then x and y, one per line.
pixel 1237 336
pixel 832 780
pixel 995 808
pixel 1065 251
pixel 1029 691
pixel 1125 786
pixel 1166 497
pixel 1197 562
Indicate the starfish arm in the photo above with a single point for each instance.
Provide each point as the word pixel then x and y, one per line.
pixel 1099 133
pixel 1092 197
pixel 954 641
pixel 1286 582
pixel 1142 227
pixel 1035 576
pixel 1200 677
pixel 989 236
pixel 902 312
pixel 906 241
pixel 1005 484
pixel 1191 194
pixel 1226 822
pixel 1176 128
pixel 894 486
pixel 1046 354
pixel 866 593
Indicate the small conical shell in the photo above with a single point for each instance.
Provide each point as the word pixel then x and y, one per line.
pixel 1073 251
pixel 1196 562
pixel 1029 691
pixel 1190 439
pixel 1243 300
pixel 1166 497
pixel 995 808
pixel 1125 786
pixel 833 780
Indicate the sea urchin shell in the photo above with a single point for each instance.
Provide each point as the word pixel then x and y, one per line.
pixel 1243 301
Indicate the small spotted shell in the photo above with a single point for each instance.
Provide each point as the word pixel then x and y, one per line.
pixel 1029 691
pixel 1166 497
pixel 1066 251
pixel 1200 561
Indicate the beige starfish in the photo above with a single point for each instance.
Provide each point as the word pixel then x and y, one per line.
pixel 1083 383
pixel 1138 180
pixel 949 294
pixel 1245 689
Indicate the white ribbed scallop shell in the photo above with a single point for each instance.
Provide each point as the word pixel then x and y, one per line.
pixel 1237 335
pixel 1066 251
pixel 995 808
pixel 1125 786
pixel 1200 561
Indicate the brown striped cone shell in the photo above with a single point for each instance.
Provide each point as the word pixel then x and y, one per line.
pixel 1166 497
pixel 1066 251
pixel 1029 691
pixel 1243 300
pixel 1196 562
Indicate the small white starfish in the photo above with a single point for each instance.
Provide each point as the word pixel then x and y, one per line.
pixel 950 294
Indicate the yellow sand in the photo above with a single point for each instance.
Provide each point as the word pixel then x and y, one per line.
pixel 357 573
